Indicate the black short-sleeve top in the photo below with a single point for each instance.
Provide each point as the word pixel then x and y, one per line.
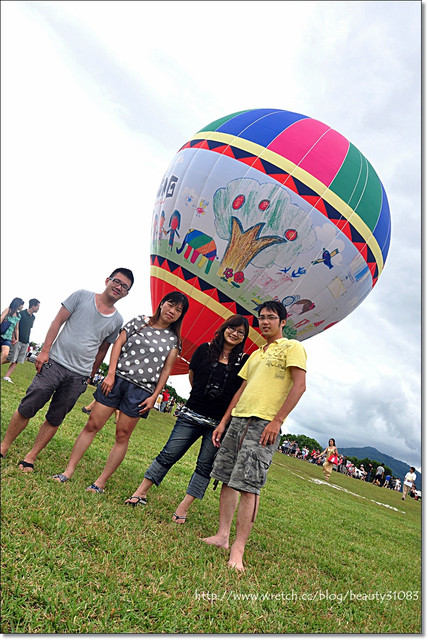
pixel 203 368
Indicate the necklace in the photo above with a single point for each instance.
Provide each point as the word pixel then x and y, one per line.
pixel 224 356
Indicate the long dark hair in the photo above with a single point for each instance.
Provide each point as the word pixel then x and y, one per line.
pixel 216 346
pixel 175 297
pixel 14 306
pixel 334 442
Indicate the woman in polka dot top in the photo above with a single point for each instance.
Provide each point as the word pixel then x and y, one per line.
pixel 141 361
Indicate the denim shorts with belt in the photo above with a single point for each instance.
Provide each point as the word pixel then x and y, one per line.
pixel 188 428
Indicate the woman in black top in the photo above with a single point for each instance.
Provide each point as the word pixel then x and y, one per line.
pixel 213 374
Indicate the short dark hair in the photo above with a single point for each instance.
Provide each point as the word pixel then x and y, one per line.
pixel 412 469
pixel 126 272
pixel 33 302
pixel 276 306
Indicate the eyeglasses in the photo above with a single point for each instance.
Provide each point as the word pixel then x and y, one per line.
pixel 118 283
pixel 240 333
pixel 269 318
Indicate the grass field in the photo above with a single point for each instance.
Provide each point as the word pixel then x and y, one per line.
pixel 320 559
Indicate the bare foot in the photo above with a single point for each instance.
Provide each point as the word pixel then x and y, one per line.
pixel 217 541
pixel 235 559
pixel 235 565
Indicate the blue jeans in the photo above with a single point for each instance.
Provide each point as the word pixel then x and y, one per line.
pixel 184 434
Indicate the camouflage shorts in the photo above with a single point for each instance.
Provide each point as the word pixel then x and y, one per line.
pixel 241 462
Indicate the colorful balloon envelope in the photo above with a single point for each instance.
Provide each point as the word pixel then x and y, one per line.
pixel 267 204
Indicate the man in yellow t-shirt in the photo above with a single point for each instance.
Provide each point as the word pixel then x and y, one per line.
pixel 274 380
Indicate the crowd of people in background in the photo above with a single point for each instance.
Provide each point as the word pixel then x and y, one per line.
pixel 376 476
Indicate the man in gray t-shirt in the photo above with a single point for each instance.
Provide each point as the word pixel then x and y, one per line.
pixel 379 474
pixel 90 327
pixel 89 324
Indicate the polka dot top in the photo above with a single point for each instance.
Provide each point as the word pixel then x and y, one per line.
pixel 144 353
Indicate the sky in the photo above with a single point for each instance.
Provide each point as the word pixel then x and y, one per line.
pixel 96 100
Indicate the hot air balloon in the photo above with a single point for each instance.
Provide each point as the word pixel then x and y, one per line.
pixel 268 204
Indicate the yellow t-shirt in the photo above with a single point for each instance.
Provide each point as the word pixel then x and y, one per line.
pixel 269 379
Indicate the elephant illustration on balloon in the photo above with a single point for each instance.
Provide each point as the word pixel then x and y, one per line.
pixel 199 245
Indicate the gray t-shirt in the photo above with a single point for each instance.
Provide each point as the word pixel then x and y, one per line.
pixel 144 353
pixel 77 344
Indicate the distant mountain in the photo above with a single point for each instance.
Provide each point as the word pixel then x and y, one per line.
pixel 398 468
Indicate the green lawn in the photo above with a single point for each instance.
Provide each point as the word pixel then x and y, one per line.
pixel 319 559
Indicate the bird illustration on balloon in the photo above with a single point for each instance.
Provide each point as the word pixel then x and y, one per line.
pixel 326 258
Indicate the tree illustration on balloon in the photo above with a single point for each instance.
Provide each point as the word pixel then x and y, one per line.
pixel 256 217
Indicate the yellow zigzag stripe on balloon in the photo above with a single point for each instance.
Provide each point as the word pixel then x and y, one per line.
pixel 202 298
pixel 295 171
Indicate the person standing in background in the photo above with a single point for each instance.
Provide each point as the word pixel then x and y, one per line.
pixel 379 475
pixel 10 327
pixel 331 454
pixel 408 482
pixel 18 351
pixel 165 399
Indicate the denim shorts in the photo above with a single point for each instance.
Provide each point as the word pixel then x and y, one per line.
pixel 56 382
pixel 125 396
pixel 241 462
pixel 5 343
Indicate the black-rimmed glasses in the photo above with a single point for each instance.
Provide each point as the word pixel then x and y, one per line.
pixel 118 283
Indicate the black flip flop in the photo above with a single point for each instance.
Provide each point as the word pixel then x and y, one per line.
pixel 140 500
pixel 26 465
